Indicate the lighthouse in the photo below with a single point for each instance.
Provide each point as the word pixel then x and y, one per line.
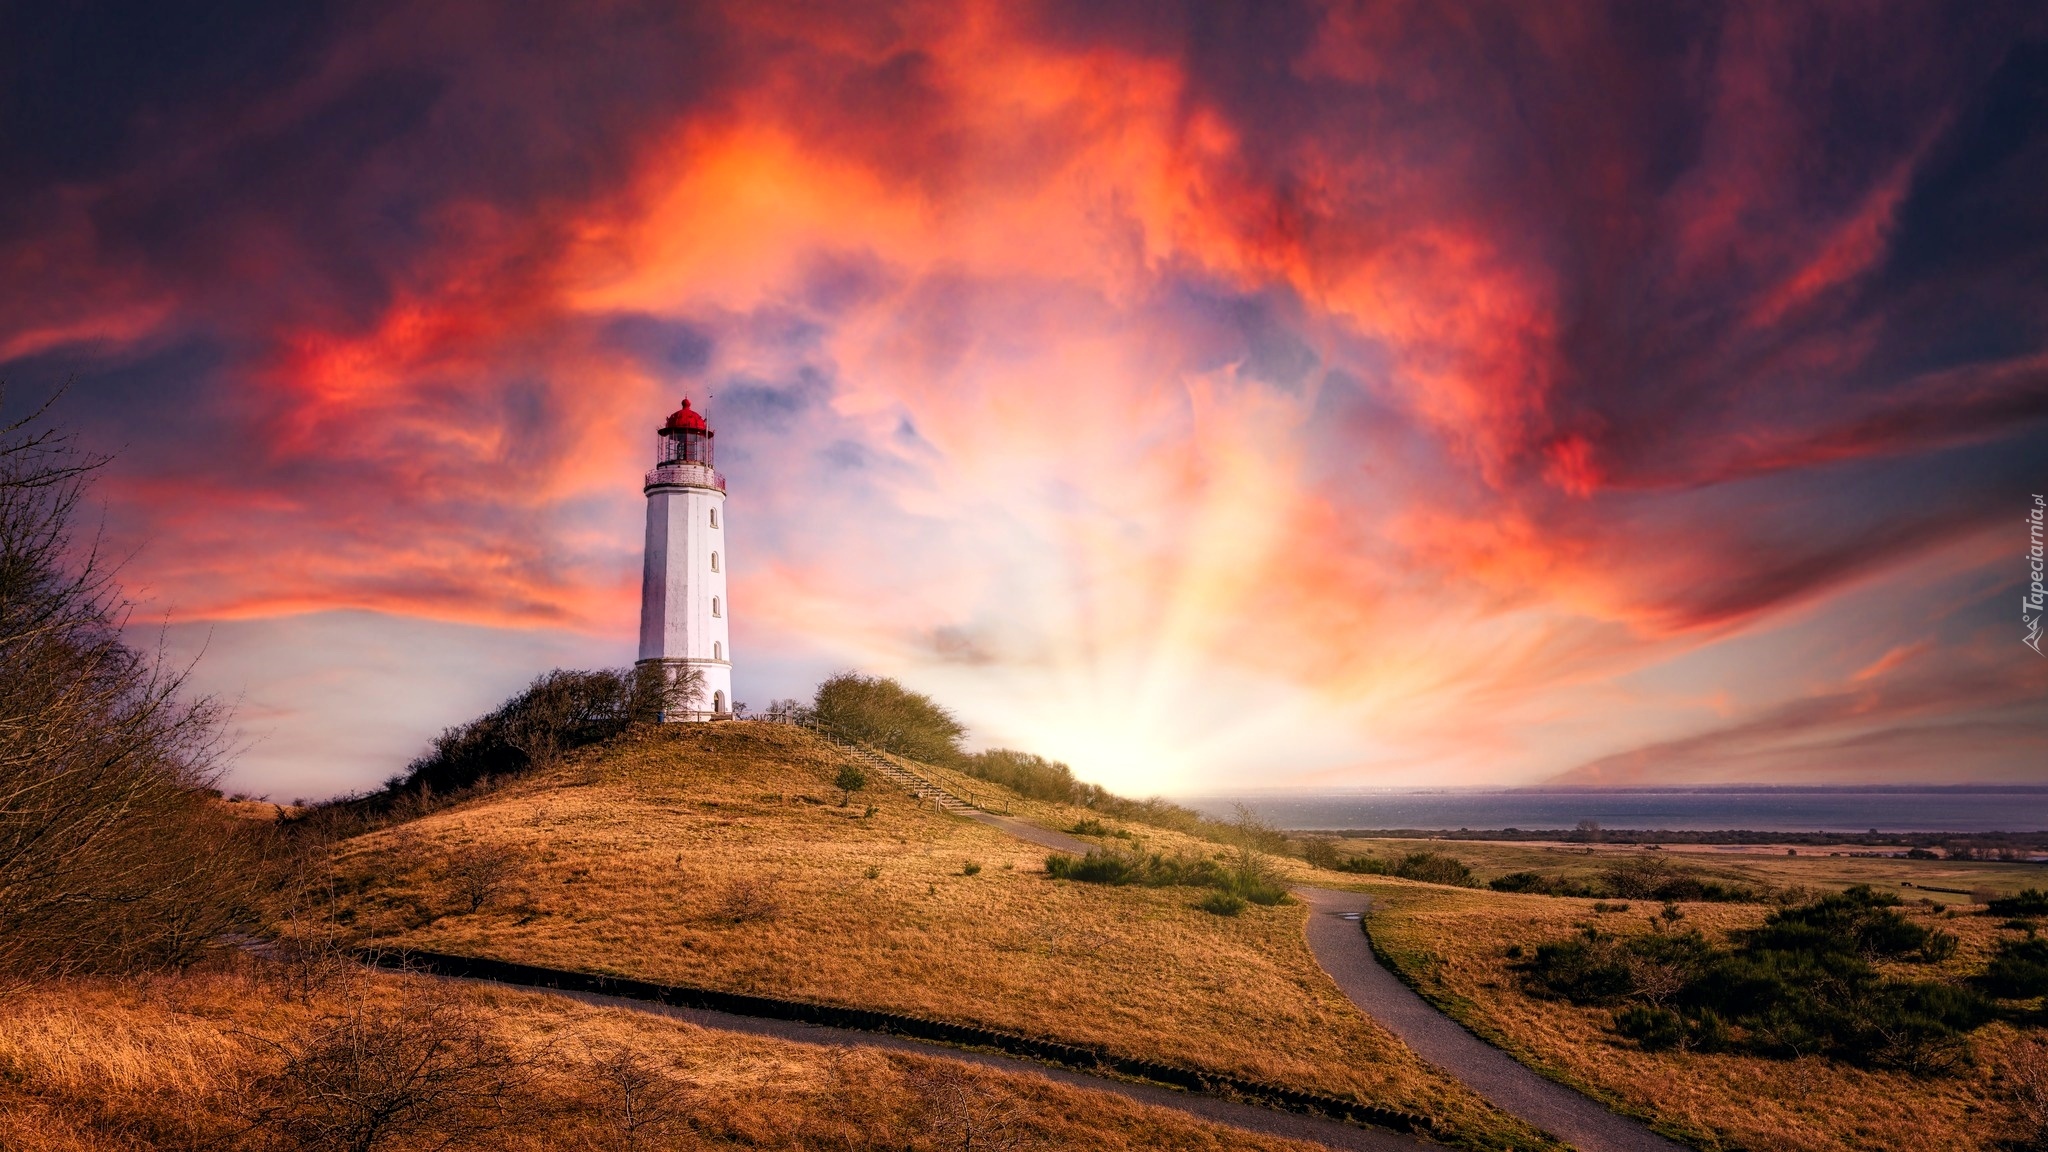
pixel 683 609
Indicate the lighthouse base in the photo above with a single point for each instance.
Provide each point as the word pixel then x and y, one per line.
pixel 679 705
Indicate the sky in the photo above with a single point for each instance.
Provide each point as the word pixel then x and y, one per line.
pixel 1213 396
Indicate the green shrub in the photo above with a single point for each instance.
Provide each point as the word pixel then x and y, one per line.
pixel 1258 891
pixel 2018 970
pixel 1589 969
pixel 1221 903
pixel 1435 868
pixel 1100 866
pixel 970 869
pixel 1803 983
pixel 1654 1029
pixel 1363 865
pixel 1520 882
pixel 880 712
pixel 1093 827
pixel 2026 902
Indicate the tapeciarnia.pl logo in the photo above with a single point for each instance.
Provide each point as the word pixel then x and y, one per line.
pixel 2036 599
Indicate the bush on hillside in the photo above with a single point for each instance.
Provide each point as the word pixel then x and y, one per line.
pixel 1632 878
pixel 557 713
pixel 1429 867
pixel 2019 969
pixel 1434 868
pixel 1025 774
pixel 2025 902
pixel 1800 984
pixel 114 855
pixel 878 711
pixel 1119 866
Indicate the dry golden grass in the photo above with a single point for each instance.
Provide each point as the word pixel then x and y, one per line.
pixel 1767 866
pixel 635 857
pixel 166 1064
pixel 1453 943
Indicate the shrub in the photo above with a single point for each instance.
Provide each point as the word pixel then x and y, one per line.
pixel 1363 865
pixel 2018 970
pixel 879 711
pixel 1800 984
pixel 1652 1028
pixel 1319 851
pixel 558 712
pixel 849 780
pixel 1222 903
pixel 1157 870
pixel 2026 902
pixel 970 869
pixel 476 873
pixel 1590 969
pixel 1861 918
pixel 381 1073
pixel 747 899
pixel 1099 866
pixel 1258 891
pixel 1434 868
pixel 114 854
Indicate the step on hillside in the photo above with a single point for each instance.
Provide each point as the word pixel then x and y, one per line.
pixel 910 781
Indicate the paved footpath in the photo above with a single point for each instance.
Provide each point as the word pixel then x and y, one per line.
pixel 1342 950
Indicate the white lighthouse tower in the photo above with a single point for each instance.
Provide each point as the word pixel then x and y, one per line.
pixel 683 609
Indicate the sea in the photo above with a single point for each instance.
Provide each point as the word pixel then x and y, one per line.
pixel 1987 808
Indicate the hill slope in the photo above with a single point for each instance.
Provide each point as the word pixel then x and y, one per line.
pixel 719 856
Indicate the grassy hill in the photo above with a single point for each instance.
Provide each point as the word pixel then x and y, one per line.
pixel 233 1059
pixel 720 856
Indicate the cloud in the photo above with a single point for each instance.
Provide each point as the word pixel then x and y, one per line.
pixel 1166 387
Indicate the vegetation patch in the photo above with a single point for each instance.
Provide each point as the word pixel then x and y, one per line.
pixel 1804 983
pixel 1635 878
pixel 2026 902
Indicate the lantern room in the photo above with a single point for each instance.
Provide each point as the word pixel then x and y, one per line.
pixel 686 438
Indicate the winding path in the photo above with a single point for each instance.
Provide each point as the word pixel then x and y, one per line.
pixel 1243 1117
pixel 1343 951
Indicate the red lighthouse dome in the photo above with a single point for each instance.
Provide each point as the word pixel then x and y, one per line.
pixel 684 418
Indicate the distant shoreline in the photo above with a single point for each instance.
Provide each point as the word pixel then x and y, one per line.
pixel 1906 840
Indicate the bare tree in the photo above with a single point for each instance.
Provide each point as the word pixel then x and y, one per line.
pixel 638 1101
pixel 963 1113
pixel 2023 1069
pixel 748 898
pixel 662 691
pixel 418 1067
pixel 113 854
pixel 478 872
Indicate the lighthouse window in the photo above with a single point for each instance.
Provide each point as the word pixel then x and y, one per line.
pixel 717 650
pixel 714 517
pixel 714 561
pixel 714 607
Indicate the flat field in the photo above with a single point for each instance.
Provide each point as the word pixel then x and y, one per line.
pixel 721 856
pixel 1760 865
pixel 1452 945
